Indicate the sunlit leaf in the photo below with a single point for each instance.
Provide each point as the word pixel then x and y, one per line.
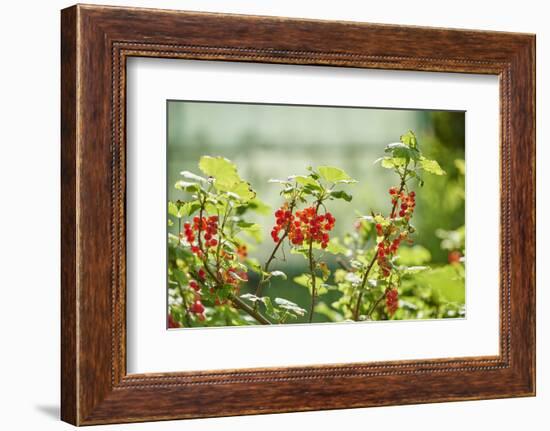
pixel 431 166
pixel 399 150
pixel 335 175
pixel 306 181
pixel 460 165
pixel 248 226
pixel 252 298
pixel 409 139
pixel 416 255
pixel 192 176
pixel 305 280
pixel 290 306
pixel 187 186
pixel 280 274
pixel 392 162
pixel 226 176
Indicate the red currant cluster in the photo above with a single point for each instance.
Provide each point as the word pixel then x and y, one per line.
pixel 408 203
pixel 283 217
pixel 242 251
pixel 173 323
pixel 197 307
pixel 306 225
pixel 386 249
pixel 233 275
pixel 392 297
pixel 312 226
pixel 208 226
pixel 454 257
pixel 202 274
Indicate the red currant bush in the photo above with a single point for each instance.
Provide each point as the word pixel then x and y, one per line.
pixel 213 280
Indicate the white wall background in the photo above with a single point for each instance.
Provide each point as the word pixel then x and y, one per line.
pixel 29 224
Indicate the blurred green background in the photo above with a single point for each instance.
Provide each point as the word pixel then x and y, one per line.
pixel 275 141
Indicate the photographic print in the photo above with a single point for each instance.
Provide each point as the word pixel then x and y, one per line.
pixel 292 214
pixel 283 214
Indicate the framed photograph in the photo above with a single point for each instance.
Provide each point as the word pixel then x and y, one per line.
pixel 329 214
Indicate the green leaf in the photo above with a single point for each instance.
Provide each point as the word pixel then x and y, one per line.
pixel 307 181
pixel 226 177
pixel 335 175
pixel 340 194
pixel 300 250
pixel 431 166
pixel 290 306
pixel 399 150
pixel 237 276
pixel 173 209
pixel 305 280
pixel 413 269
pixel 270 309
pixel 252 230
pixel 248 226
pixel 180 210
pixel 409 139
pixel 252 298
pixel 392 162
pixel 192 176
pixel 187 186
pixel 416 255
pixel 242 190
pixel 445 281
pixel 460 165
pixel 278 274
pixel 259 206
pixel 220 168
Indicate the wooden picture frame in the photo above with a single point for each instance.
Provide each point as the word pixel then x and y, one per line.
pixel 95 43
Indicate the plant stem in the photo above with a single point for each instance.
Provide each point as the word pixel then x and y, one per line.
pixel 313 281
pixel 273 253
pixel 241 305
pixel 268 262
pixel 237 302
pixel 371 263
pixel 376 304
pixel 312 269
pixel 184 303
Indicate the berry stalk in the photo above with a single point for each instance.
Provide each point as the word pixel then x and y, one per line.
pixel 375 257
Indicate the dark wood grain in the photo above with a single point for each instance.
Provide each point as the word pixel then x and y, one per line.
pixel 96 41
pixel 69 397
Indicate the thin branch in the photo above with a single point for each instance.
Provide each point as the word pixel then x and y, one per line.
pixel 376 304
pixel 373 260
pixel 237 302
pixel 268 262
pixel 312 269
pixel 273 253
pixel 241 305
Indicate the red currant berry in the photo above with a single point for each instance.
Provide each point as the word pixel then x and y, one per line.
pixel 197 307
pixel 194 285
